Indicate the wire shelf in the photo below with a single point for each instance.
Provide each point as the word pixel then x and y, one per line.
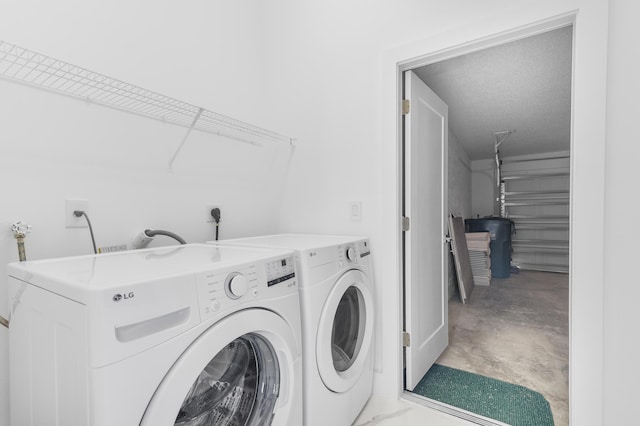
pixel 543 227
pixel 537 202
pixel 530 176
pixel 35 69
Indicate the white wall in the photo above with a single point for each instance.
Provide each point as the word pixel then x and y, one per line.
pixel 333 71
pixel 52 147
pixel 323 72
pixel 459 179
pixel 483 188
pixel 622 290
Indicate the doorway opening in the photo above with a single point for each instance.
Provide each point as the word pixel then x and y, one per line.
pixel 515 327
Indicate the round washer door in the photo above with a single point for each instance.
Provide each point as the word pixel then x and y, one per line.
pixel 345 331
pixel 239 371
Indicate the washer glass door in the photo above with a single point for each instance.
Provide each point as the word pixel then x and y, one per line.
pixel 239 371
pixel 237 387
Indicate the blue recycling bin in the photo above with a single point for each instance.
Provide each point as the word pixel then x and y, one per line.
pixel 500 230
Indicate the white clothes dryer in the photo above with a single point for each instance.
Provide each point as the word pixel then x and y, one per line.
pixel 337 304
pixel 186 335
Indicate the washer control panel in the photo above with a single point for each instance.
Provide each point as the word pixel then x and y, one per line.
pixel 220 290
pixel 236 285
pixel 280 270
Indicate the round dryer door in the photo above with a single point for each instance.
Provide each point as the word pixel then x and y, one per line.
pixel 345 331
pixel 236 373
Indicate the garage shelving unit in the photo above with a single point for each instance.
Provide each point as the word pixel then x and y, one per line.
pixel 537 200
pixel 534 193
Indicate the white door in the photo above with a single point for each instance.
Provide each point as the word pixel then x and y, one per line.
pixel 425 250
pixel 239 371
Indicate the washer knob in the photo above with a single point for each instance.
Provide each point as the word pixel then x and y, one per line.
pixel 351 254
pixel 236 285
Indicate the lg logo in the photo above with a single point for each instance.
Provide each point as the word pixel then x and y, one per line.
pixel 118 297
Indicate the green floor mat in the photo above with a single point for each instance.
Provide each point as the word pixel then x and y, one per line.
pixel 495 399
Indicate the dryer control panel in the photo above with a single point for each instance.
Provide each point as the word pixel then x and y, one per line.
pixel 321 263
pixel 353 253
pixel 223 289
pixel 363 248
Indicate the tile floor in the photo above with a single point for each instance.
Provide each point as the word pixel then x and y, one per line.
pixel 389 412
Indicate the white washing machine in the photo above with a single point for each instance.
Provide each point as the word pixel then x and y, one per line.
pixel 187 335
pixel 337 304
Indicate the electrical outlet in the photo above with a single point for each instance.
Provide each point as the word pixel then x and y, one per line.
pixel 71 221
pixel 209 207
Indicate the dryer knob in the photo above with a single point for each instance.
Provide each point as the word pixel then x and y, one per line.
pixel 351 254
pixel 236 285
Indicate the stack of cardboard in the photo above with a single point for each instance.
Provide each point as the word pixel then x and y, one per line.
pixel 480 256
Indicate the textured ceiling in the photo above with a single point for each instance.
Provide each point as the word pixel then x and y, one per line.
pixel 523 85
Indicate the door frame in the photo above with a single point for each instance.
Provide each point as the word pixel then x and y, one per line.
pixel 589 22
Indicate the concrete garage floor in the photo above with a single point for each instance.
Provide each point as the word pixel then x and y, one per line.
pixel 516 330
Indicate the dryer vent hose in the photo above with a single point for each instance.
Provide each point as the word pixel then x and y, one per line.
pixel 144 238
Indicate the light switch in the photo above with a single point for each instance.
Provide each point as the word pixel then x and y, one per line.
pixel 356 211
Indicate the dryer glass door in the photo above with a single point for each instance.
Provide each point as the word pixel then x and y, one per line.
pixel 348 329
pixel 228 390
pixel 345 331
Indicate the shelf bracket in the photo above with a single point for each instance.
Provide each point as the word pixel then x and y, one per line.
pixel 186 136
pixel 500 137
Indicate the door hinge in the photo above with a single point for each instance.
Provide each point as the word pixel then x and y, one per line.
pixel 406 339
pixel 406 106
pixel 406 224
pixel 448 240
